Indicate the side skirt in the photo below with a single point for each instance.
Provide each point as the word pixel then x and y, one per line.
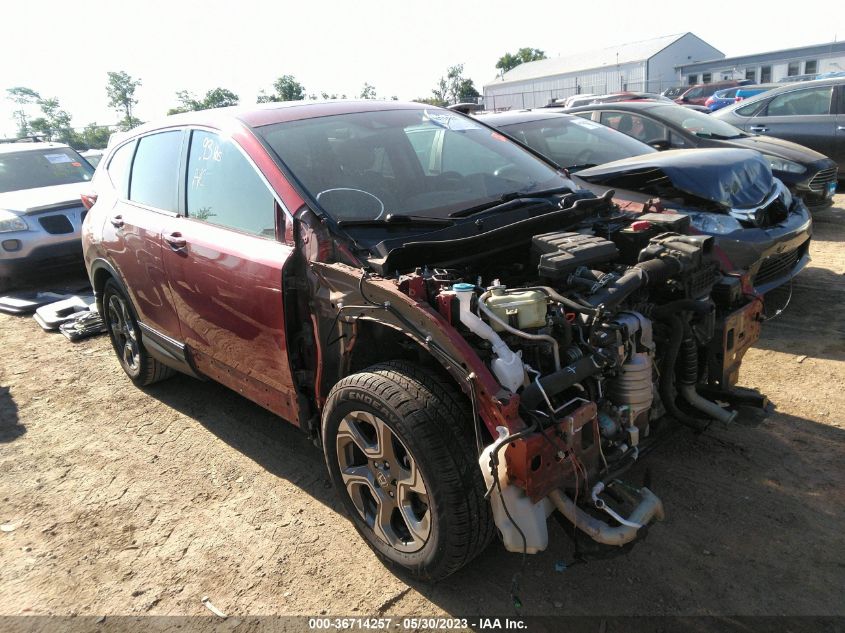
pixel 168 351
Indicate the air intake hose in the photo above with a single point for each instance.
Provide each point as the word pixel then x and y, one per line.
pixel 653 272
pixel 561 380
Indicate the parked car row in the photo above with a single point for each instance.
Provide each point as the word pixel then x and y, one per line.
pixel 727 193
pixel 807 173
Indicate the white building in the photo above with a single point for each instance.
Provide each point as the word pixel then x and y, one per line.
pixel 767 67
pixel 648 66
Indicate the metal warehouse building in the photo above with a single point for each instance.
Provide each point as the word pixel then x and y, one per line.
pixel 650 65
pixel 766 67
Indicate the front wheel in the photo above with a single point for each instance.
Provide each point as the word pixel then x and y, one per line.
pixel 397 450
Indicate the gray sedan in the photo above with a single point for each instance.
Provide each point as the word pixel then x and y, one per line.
pixel 811 113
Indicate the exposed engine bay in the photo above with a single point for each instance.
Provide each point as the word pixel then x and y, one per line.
pixel 595 340
pixel 601 348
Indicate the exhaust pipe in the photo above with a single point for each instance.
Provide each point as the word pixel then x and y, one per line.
pixel 650 507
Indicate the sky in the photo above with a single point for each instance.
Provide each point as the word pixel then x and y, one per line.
pixel 64 49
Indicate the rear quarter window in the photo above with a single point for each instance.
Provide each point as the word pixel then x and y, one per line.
pixel 118 168
pixel 155 171
pixel 801 102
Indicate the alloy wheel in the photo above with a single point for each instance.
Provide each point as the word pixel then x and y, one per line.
pixel 383 481
pixel 123 330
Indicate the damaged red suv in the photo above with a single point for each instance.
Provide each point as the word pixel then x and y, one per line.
pixel 474 343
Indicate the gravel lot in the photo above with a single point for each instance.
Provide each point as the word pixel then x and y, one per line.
pixel 122 501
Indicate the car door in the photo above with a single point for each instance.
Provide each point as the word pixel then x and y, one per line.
pixel 803 116
pixel 224 259
pixel 839 142
pixel 144 173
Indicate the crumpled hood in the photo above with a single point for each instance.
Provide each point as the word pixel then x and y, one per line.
pixel 26 201
pixel 732 178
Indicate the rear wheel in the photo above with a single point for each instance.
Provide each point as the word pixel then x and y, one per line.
pixel 122 325
pixel 397 451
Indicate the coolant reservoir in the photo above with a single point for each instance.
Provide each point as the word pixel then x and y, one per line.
pixel 519 308
pixel 530 517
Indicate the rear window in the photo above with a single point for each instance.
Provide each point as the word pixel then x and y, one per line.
pixel 42 168
pixel 155 171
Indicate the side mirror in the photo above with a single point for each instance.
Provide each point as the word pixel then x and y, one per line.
pixel 660 145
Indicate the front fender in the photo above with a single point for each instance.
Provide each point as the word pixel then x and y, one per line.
pixel 342 294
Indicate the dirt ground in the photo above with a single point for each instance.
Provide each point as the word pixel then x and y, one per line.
pixel 123 501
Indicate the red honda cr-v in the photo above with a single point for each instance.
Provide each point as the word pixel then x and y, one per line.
pixel 471 341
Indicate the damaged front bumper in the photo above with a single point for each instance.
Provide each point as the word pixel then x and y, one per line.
pixel 771 255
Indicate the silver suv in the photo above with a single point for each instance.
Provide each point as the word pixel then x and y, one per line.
pixel 41 209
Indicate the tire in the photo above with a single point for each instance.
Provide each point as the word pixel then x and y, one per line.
pixel 122 325
pixel 425 511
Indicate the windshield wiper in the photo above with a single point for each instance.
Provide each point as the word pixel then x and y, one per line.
pixel 399 219
pixel 511 200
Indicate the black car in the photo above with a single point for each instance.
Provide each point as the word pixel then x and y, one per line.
pixel 806 172
pixel 727 193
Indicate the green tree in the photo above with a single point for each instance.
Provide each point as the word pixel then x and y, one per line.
pixel 95 136
pixel 55 124
pixel 509 61
pixel 287 88
pixel 22 96
pixel 121 92
pixel 368 91
pixel 453 88
pixel 214 98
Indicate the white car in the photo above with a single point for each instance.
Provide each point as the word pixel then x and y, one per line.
pixel 41 209
pixel 93 156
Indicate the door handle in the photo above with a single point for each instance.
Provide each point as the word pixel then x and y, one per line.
pixel 117 221
pixel 176 241
pixel 758 128
pixel 841 128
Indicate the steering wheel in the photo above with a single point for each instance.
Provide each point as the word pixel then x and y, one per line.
pixel 346 203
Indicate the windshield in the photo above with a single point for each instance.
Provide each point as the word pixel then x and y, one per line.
pixel 425 162
pixel 575 143
pixel 42 168
pixel 697 123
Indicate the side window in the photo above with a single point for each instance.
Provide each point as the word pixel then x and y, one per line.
pixel 640 128
pixel 801 102
pixel 677 141
pixel 118 169
pixel 155 170
pixel 748 110
pixel 223 188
